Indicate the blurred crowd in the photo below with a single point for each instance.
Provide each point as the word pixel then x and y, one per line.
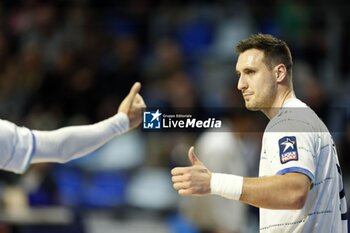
pixel 69 62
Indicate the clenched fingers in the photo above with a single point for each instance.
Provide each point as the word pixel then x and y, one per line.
pixel 182 185
pixel 180 171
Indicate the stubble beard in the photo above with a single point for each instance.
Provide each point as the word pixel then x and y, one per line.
pixel 255 104
pixel 251 105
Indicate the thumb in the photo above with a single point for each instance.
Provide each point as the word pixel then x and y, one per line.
pixel 192 157
pixel 128 100
pixel 133 92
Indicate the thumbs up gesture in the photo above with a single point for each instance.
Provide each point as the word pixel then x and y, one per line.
pixel 192 180
pixel 132 105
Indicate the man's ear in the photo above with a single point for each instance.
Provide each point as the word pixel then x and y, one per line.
pixel 280 73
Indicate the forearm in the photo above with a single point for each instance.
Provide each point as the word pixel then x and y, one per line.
pixel 276 192
pixel 287 191
pixel 69 143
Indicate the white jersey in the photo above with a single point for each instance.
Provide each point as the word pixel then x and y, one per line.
pixel 17 147
pixel 296 140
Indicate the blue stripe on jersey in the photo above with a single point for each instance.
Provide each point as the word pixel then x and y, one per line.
pixel 33 149
pixel 298 170
pixel 33 145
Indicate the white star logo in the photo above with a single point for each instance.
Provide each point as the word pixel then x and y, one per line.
pixel 288 144
pixel 156 115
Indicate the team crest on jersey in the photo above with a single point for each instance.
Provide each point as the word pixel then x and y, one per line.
pixel 288 149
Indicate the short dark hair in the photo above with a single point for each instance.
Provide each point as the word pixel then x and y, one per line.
pixel 276 51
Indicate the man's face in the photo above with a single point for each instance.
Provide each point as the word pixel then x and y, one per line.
pixel 256 81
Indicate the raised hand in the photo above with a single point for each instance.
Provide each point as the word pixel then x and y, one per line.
pixel 192 180
pixel 133 105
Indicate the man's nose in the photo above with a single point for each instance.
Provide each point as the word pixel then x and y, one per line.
pixel 242 84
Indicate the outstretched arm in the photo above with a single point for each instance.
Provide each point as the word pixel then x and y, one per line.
pixel 287 191
pixel 69 143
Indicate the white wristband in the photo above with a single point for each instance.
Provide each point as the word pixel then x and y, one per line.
pixel 225 185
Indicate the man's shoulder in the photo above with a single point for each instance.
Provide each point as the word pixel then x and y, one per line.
pixel 295 116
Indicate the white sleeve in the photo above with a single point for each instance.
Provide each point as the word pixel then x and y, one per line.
pixel 16 147
pixel 73 142
pixel 292 152
pixel 292 143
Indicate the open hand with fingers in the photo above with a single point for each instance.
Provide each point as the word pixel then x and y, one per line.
pixel 133 105
pixel 192 180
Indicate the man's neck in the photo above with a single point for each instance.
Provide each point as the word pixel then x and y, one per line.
pixel 276 106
